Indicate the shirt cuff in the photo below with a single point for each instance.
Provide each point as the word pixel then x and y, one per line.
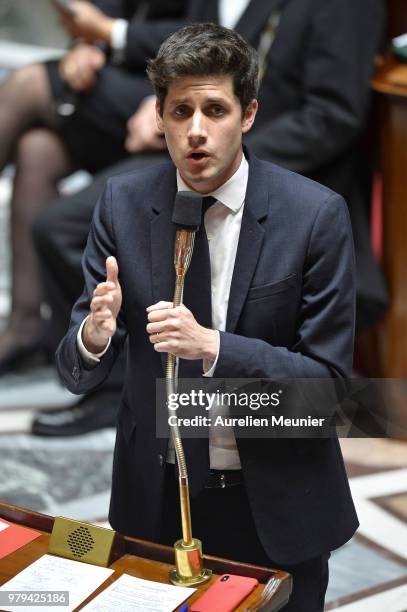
pixel 119 40
pixel 209 367
pixel 89 358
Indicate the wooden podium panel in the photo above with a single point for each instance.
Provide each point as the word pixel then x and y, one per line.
pixel 141 559
pixel 392 144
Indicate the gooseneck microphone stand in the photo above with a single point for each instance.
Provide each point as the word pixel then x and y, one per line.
pixel 188 568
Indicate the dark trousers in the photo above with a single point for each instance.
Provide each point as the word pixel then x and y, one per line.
pixel 222 519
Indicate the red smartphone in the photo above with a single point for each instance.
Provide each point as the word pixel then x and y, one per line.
pixel 225 594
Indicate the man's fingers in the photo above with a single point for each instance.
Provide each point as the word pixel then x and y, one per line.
pixel 98 60
pixel 170 346
pixel 164 311
pixel 155 328
pixel 132 145
pixel 102 315
pixel 86 77
pixel 164 314
pixel 163 326
pixel 101 302
pixel 132 122
pixel 159 143
pixel 112 270
pixel 108 326
pixel 159 306
pixel 104 288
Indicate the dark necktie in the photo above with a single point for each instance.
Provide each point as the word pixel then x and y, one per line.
pixel 197 298
pixel 197 288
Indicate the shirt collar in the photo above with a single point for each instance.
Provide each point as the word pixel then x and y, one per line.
pixel 232 193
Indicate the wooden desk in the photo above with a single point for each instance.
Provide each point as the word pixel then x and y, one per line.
pixel 142 559
pixel 392 142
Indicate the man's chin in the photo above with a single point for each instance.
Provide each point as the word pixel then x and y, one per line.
pixel 196 181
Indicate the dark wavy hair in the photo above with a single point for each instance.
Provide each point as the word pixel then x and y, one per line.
pixel 206 49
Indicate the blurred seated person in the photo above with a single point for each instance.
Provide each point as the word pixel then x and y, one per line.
pixel 59 116
pixel 317 59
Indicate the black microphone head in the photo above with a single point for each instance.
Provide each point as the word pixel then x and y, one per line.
pixel 187 211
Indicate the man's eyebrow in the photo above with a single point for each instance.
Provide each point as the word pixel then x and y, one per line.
pixel 209 100
pixel 217 100
pixel 177 101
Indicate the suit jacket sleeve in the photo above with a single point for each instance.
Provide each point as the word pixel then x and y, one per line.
pixel 113 8
pixel 144 40
pixel 150 23
pixel 144 36
pixel 325 321
pixel 75 374
pixel 338 60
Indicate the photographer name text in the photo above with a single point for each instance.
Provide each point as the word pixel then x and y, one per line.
pixel 245 421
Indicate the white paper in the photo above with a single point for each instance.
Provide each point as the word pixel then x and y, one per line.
pixel 3 525
pixel 50 573
pixel 131 594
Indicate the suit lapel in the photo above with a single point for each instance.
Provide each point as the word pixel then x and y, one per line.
pixel 255 18
pixel 250 241
pixel 162 231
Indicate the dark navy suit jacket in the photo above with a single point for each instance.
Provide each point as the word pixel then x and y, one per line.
pixel 291 314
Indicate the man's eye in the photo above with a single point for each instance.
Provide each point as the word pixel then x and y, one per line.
pixel 181 111
pixel 217 111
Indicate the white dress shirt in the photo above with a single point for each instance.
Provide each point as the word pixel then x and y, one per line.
pixel 230 11
pixel 118 40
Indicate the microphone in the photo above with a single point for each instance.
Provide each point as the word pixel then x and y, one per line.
pixel 187 216
pixel 189 569
pixel 187 212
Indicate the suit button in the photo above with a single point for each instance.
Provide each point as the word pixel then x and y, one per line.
pixel 161 460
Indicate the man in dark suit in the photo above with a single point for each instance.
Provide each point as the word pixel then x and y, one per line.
pixel 282 305
pixel 317 58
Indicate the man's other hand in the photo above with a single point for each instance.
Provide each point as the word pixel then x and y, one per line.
pixel 87 22
pixel 79 67
pixel 176 331
pixel 105 306
pixel 142 130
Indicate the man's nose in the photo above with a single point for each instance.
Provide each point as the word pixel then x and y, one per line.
pixel 197 129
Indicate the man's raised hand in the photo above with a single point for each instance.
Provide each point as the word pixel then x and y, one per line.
pixel 104 307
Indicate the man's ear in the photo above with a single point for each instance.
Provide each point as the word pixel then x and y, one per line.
pixel 158 116
pixel 249 116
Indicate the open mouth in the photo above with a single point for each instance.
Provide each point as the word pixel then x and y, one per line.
pixel 198 156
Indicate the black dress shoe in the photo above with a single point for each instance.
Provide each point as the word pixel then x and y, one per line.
pixel 23 358
pixel 92 412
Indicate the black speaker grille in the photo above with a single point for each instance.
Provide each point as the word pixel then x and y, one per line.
pixel 80 541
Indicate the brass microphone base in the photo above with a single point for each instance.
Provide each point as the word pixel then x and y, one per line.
pixel 189 570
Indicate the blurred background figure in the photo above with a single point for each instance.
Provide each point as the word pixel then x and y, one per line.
pixel 317 59
pixel 61 115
